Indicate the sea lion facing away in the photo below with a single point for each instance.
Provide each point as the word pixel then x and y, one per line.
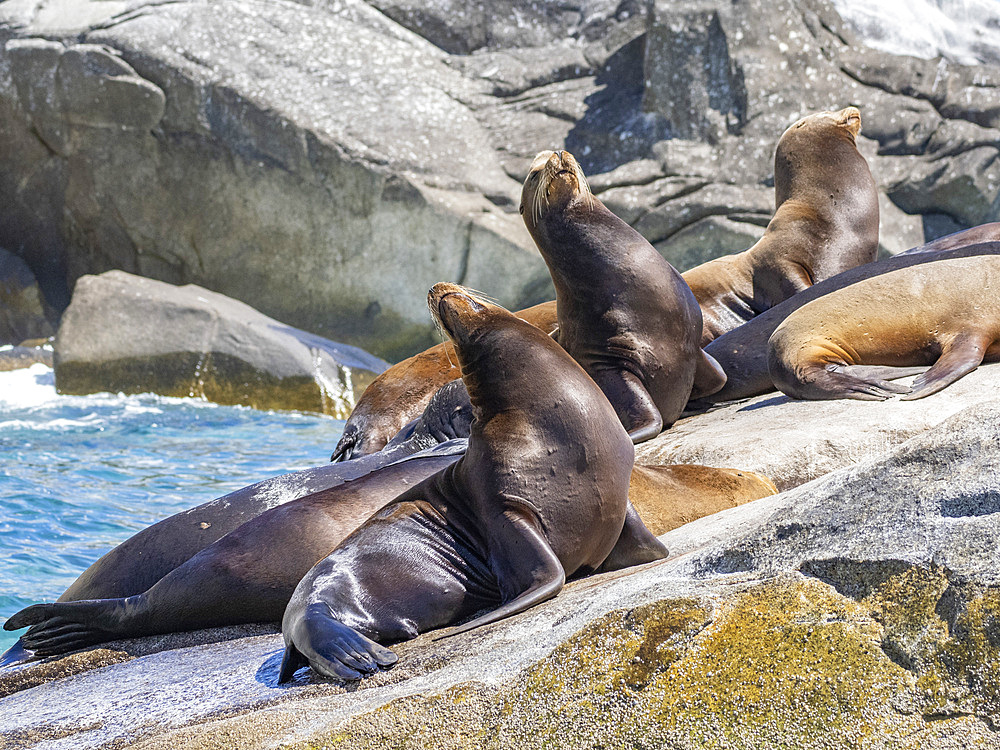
pixel 825 222
pixel 624 313
pixel 847 344
pixel 541 495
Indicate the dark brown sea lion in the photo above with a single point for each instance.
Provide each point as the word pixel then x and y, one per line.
pixel 825 222
pixel 847 344
pixel 143 559
pixel 541 495
pixel 401 393
pixel 248 575
pixel 624 313
pixel 743 352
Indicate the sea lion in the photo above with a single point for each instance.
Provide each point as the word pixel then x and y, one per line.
pixel 623 312
pixel 743 352
pixel 667 497
pixel 401 393
pixel 143 559
pixel 849 343
pixel 825 222
pixel 248 575
pixel 540 495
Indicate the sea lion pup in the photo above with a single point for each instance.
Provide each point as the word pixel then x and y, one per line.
pixel 825 222
pixel 400 394
pixel 541 495
pixel 624 313
pixel 743 352
pixel 246 576
pixel 849 343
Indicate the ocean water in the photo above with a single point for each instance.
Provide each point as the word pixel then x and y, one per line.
pixel 80 474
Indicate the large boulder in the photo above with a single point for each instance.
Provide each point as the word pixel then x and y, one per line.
pixel 860 608
pixel 129 334
pixel 328 162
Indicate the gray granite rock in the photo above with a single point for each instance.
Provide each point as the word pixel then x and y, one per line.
pixel 328 162
pixel 24 314
pixel 125 333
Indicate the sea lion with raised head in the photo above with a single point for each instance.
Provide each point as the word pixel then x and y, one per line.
pixel 623 312
pixel 825 222
pixel 743 352
pixel 850 343
pixel 540 496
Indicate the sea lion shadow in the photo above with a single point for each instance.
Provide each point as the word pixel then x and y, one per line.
pixel 773 401
pixel 267 675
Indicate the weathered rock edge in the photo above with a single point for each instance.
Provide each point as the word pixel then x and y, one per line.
pixel 129 334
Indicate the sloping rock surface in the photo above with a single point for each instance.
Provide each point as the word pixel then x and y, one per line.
pixel 328 162
pixel 125 333
pixel 860 607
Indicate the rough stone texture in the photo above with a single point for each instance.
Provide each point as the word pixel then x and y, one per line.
pixel 857 610
pixel 20 357
pixel 328 162
pixel 125 333
pixel 24 314
pixel 792 442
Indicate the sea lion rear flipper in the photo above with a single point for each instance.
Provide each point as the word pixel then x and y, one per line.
pixel 963 355
pixel 344 450
pixel 632 402
pixel 635 546
pixel 330 647
pixel 709 377
pixel 524 564
pixel 66 626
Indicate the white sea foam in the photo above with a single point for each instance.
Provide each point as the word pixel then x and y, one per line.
pixel 32 386
pixel 964 31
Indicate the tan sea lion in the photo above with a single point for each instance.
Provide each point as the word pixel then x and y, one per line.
pixel 623 312
pixel 825 222
pixel 849 343
pixel 540 496
pixel 667 497
pixel 743 352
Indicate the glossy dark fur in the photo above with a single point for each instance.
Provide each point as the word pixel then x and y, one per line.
pixel 541 495
pixel 248 575
pixel 624 313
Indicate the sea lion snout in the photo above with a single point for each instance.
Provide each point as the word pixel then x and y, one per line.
pixel 850 117
pixel 451 306
pixel 554 179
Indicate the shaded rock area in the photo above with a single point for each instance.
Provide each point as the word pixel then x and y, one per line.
pixel 128 334
pixel 328 162
pixel 858 609
pixel 24 313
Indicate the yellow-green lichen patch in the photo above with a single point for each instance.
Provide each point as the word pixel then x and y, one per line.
pixel 788 663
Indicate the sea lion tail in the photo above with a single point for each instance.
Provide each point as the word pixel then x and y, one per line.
pixel 66 626
pixel 330 647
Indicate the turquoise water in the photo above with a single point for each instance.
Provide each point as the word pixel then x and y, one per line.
pixel 80 474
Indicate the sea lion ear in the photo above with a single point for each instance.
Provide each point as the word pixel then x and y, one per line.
pixel 520 209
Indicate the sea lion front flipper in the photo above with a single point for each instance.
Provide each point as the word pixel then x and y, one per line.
pixel 709 377
pixel 635 546
pixel 525 566
pixel 330 647
pixel 632 402
pixel 963 355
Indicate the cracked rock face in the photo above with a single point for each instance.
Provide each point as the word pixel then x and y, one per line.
pixel 328 163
